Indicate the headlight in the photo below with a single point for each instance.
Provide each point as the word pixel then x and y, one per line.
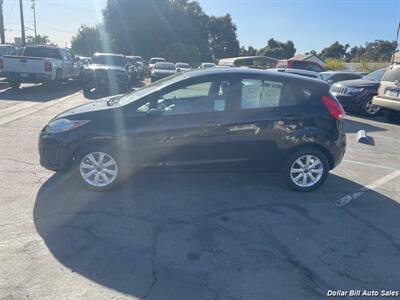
pixel 62 125
pixel 355 90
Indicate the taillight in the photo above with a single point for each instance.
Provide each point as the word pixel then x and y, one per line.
pixel 334 107
pixel 1 64
pixel 47 66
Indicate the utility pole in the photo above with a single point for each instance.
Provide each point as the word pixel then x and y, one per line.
pixel 21 12
pixel 397 42
pixel 2 35
pixel 34 17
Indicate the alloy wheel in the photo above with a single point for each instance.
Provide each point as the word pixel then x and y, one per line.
pixel 98 169
pixel 370 108
pixel 306 170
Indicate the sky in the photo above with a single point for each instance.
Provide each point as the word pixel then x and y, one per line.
pixel 310 24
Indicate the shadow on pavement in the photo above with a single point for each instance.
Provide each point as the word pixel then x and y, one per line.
pixel 352 126
pixel 39 92
pixel 221 235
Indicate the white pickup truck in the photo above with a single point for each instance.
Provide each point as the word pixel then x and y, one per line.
pixel 40 64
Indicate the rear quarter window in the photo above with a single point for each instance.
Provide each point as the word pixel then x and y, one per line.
pixel 256 93
pixel 392 74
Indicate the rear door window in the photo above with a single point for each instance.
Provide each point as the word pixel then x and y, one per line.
pixel 256 93
pixel 392 74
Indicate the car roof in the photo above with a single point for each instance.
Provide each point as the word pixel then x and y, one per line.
pixel 250 72
pixel 298 71
pixel 338 72
pixel 108 54
pixel 164 62
pixel 41 46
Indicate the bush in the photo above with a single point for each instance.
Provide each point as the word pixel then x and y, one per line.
pixel 334 64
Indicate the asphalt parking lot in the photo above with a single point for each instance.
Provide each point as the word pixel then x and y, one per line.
pixel 192 235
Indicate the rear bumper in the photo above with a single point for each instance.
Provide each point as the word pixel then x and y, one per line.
pixel 386 103
pixel 29 77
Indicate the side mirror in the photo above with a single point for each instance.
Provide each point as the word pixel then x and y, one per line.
pixel 154 112
pixel 178 70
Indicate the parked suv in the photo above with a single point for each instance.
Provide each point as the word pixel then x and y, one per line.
pixel 356 95
pixel 217 118
pixel 107 72
pixel 389 92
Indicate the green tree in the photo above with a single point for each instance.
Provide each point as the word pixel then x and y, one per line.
pixel 379 50
pixel 277 49
pixel 222 37
pixel 146 27
pixel 39 39
pixel 178 52
pixel 89 40
pixel 250 51
pixel 336 50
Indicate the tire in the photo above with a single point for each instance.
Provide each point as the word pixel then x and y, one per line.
pixel 15 84
pixel 86 91
pixel 368 109
pixel 58 81
pixel 96 164
pixel 319 172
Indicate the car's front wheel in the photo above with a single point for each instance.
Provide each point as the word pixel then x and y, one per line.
pixel 369 109
pixel 306 170
pixel 99 169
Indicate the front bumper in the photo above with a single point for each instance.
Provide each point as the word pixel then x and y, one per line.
pixel 387 103
pixel 351 101
pixel 54 152
pixel 157 76
pixel 105 80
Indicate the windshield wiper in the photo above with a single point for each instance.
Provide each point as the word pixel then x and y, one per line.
pixel 113 101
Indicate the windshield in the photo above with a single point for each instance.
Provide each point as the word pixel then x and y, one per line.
pixel 156 60
pixel 208 65
pixel 139 93
pixel 138 58
pixel 181 65
pixel 131 60
pixel 375 76
pixel 42 52
pixel 327 75
pixel 164 66
pixel 115 60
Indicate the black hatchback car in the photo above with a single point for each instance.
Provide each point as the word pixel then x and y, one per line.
pixel 219 118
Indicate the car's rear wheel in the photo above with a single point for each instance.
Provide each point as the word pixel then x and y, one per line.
pixel 306 169
pixel 99 169
pixel 369 109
